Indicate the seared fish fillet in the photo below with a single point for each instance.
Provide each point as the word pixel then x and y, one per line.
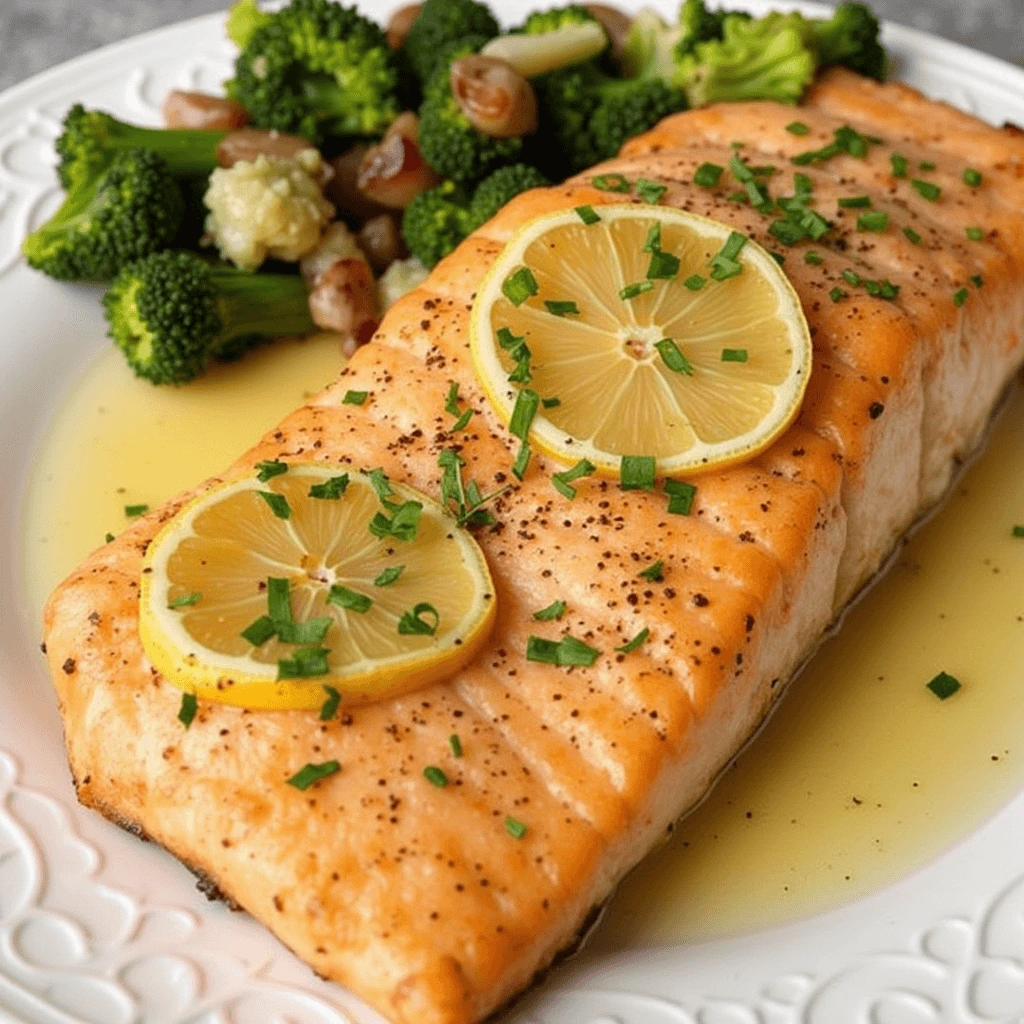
pixel 415 897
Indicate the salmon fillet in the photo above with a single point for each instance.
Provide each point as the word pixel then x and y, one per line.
pixel 415 897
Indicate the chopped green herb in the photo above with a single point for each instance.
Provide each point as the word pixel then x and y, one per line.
pixel 708 175
pixel 348 599
pixel 900 165
pixel 637 641
pixel 813 258
pixel 310 773
pixel 455 744
pixel 978 281
pixel 562 307
pixel 331 489
pixel 522 461
pixel 650 191
pixel 663 266
pixel 734 355
pixel 972 177
pixel 680 497
pixel 435 776
pixel 975 234
pixel 551 403
pixel 652 243
pixel 798 128
pixel 851 277
pixel 846 140
pixel 382 488
pixel 278 504
pixel 133 511
pixel 260 631
pixel 694 283
pixel 188 709
pixel 778 257
pixel 109 537
pixel 803 187
pixel 403 524
pixel 311 632
pixel 552 613
pixel 587 214
pixel 388 576
pixel 515 828
pixel 756 192
pixel 270 469
pixel 738 197
pixel 631 291
pixel 563 480
pixel 610 183
pixel 329 708
pixel 876 220
pixel 523 413
pixel 305 663
pixel 518 287
pixel 413 624
pixel 636 472
pixel 960 296
pixel 188 599
pixel 926 190
pixel 854 202
pixel 517 348
pixel 1018 531
pixel 451 402
pixel 654 573
pixel 926 165
pixel 354 397
pixel 837 295
pixel 725 264
pixel 279 601
pixel 567 651
pixel 912 236
pixel 944 685
pixel 673 357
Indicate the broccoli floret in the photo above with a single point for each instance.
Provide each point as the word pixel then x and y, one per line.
pixel 91 139
pixel 503 185
pixel 132 208
pixel 171 313
pixel 697 24
pixel 589 115
pixel 243 19
pixel 850 37
pixel 440 23
pixel 318 69
pixel 550 21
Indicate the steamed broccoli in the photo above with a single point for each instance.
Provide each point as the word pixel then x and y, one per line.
pixel 437 221
pixel 130 209
pixel 850 37
pixel 318 69
pixel 559 17
pixel 243 19
pixel 588 115
pixel 171 313
pixel 440 23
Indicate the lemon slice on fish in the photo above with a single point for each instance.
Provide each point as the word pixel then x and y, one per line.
pixel 266 591
pixel 639 330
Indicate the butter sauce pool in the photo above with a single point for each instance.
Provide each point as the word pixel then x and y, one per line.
pixel 862 774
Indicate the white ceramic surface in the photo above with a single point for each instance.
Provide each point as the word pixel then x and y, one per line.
pixel 97 927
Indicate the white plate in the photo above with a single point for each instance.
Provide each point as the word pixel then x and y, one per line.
pixel 96 927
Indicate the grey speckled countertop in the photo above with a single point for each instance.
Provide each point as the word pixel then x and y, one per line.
pixel 35 34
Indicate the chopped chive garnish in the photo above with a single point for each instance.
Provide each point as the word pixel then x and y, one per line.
pixel 846 140
pixel 270 469
pixel 798 128
pixel 109 537
pixel 653 573
pixel 279 601
pixel 876 220
pixel 650 191
pixel 610 183
pixel 851 277
pixel 636 472
pixel 778 257
pixel 960 296
pixel 412 623
pixel 695 282
pixel 451 402
pixel 926 190
pixel 854 202
pixel 348 599
pixel 260 631
pixel 978 281
pixel 631 291
pixel 1018 531
pixel 663 266
pixel 515 828
pixel 517 348
pixel 803 187
pixel 133 511
pixel 329 708
pixel 637 641
pixel 725 264
pixel 455 744
pixel 944 685
pixel 435 776
pixel 188 709
pixel 680 497
pixel 913 237
pixel 462 422
pixel 813 258
pixel 305 663
pixel 331 489
pixel 567 651
pixel 926 165
pixel 738 197
pixel 734 355
pixel 403 524
pixel 972 177
pixel 652 243
pixel 563 480
pixel 900 165
pixel 388 576
pixel 837 294
pixel 975 234
pixel 562 307
pixel 518 287
pixel 354 397
pixel 522 461
pixel 311 632
pixel 310 773
pixel 278 504
pixel 382 487
pixel 552 613
pixel 708 175
pixel 551 403
pixel 188 599
pixel 587 214
pixel 673 357
pixel 523 413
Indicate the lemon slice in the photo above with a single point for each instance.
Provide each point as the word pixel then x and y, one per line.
pixel 346 590
pixel 649 332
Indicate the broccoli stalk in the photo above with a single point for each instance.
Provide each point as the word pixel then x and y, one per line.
pixel 130 209
pixel 171 313
pixel 441 23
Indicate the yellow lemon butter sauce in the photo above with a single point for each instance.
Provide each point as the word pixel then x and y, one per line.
pixel 861 775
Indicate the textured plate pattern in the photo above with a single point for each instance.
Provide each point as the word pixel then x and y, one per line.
pixel 96 927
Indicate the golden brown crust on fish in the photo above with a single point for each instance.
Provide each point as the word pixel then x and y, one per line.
pixel 416 897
